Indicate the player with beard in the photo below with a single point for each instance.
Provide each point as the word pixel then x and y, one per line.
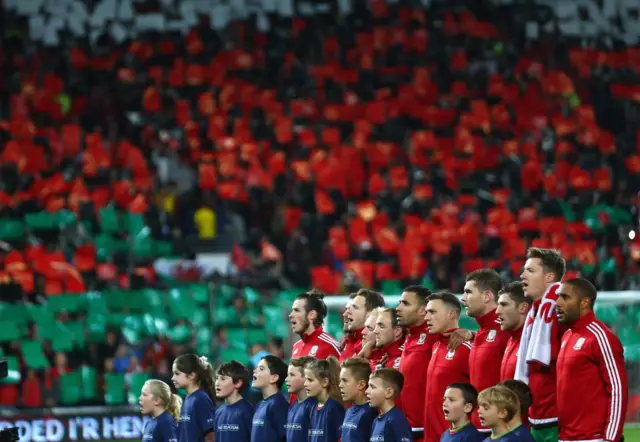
pixel 416 354
pixel 360 304
pixel 389 339
pixel 307 316
pixel 541 338
pixel 592 380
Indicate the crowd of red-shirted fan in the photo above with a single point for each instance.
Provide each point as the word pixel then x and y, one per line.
pixel 540 368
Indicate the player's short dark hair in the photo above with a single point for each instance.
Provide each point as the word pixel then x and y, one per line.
pixel 277 366
pixel 236 371
pixel 552 261
pixel 522 390
pixel 372 299
pixel 583 288
pixel 515 290
pixel 394 316
pixel 359 368
pixel 469 394
pixel 449 299
pixel 314 300
pixel 486 279
pixel 422 293
pixel 391 378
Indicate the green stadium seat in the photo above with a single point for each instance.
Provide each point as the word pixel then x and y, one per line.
pixel 13 366
pixel 276 320
pixel 78 333
pixel 89 383
pixel 224 316
pixel 204 341
pixel 162 249
pixel 179 334
pixel 109 220
pixel 229 354
pixel 68 303
pixel 200 293
pixel 132 329
pixel 155 324
pixel 134 223
pixel 32 354
pixel 116 319
pixel 43 317
pixel 18 313
pixel 11 331
pixel 41 221
pixel 61 338
pixel 251 295
pixel 237 338
pixel 181 306
pixel 70 388
pixel 257 336
pixel 11 230
pixel 135 387
pixel 629 335
pixel 286 297
pixel 467 323
pixel 632 353
pixel 115 389
pixel 391 288
pixel 200 317
pixel 607 313
pixel 334 323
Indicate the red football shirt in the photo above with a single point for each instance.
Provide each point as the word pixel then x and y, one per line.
pixel 488 347
pixel 413 362
pixel 318 344
pixel 392 353
pixel 445 367
pixel 510 358
pixel 352 345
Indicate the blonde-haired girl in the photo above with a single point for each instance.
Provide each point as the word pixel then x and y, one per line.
pixel 157 401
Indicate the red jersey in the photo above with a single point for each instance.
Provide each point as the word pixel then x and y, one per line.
pixel 413 362
pixel 542 378
pixel 318 344
pixel 488 347
pixel 445 368
pixel 390 354
pixel 352 345
pixel 510 358
pixel 591 372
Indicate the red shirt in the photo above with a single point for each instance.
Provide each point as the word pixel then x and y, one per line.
pixel 318 344
pixel 510 358
pixel 392 353
pixel 445 368
pixel 352 345
pixel 591 372
pixel 415 358
pixel 542 379
pixel 488 347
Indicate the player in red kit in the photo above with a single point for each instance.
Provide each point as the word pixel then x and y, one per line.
pixel 480 299
pixel 389 340
pixel 447 366
pixel 540 342
pixel 306 318
pixel 360 304
pixel 512 310
pixel 592 380
pixel 416 355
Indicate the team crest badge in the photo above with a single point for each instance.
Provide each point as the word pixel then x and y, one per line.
pixel 579 344
pixel 450 355
pixel 422 338
pixel 313 351
pixel 491 336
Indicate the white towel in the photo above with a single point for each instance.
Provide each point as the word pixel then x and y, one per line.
pixel 535 345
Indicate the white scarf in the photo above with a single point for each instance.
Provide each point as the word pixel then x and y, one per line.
pixel 535 345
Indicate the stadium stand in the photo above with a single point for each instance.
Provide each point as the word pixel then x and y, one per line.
pixel 407 142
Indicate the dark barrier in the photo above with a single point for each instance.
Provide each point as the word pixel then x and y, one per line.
pixel 76 424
